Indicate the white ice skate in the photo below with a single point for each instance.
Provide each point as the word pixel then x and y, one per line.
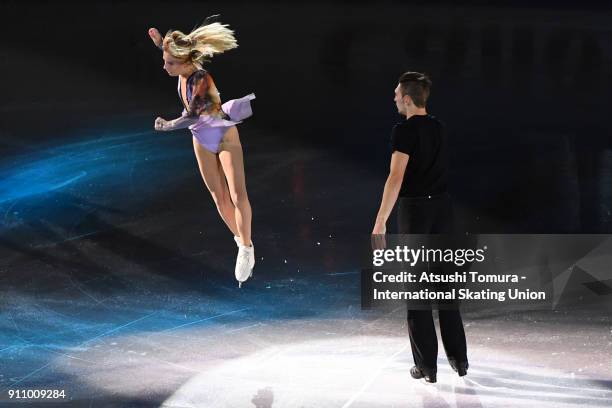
pixel 244 262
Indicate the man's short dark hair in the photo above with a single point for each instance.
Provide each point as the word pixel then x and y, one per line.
pixel 417 86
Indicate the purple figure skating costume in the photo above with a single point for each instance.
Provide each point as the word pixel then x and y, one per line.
pixel 214 118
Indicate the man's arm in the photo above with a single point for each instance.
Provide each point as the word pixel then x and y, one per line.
pixel 399 161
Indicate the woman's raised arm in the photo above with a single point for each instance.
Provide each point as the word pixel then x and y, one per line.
pixel 156 37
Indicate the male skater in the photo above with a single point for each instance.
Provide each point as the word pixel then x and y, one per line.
pixel 418 176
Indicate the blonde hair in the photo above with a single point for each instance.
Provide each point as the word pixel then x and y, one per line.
pixel 200 44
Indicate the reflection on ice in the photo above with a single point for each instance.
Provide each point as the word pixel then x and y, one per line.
pixel 370 371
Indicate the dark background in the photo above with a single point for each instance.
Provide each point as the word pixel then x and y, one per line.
pixel 108 235
pixel 523 88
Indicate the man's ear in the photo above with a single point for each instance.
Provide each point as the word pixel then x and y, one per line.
pixel 407 100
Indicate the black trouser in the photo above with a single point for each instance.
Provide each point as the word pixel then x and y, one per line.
pixel 431 215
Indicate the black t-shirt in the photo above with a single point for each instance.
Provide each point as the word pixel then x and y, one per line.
pixel 422 137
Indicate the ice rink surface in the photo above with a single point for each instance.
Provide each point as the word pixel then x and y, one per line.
pixel 121 293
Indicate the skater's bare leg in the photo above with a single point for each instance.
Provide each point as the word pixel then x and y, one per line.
pixel 232 161
pixel 214 178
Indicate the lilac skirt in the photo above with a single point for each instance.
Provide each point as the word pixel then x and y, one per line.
pixel 209 131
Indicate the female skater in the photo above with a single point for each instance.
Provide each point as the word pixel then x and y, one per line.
pixel 215 137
